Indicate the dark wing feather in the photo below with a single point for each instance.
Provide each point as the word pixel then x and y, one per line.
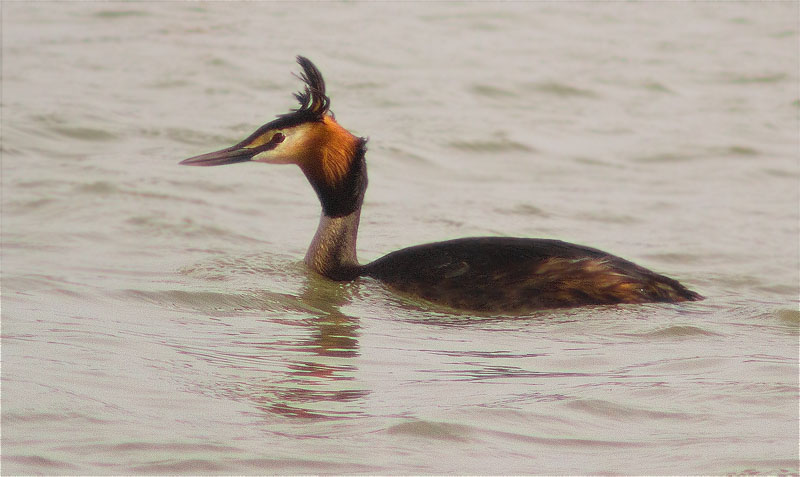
pixel 518 274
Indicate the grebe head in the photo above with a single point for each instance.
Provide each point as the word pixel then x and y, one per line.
pixel 307 136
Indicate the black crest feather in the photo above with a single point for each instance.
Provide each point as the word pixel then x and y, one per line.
pixel 313 100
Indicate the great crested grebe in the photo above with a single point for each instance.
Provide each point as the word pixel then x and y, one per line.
pixel 486 274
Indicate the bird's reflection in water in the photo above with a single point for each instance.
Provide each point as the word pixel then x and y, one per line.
pixel 319 375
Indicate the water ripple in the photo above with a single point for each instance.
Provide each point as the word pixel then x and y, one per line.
pixel 500 143
pixel 606 409
pixel 672 332
pixel 46 465
pixel 432 430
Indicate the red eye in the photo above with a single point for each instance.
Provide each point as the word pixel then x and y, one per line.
pixel 276 139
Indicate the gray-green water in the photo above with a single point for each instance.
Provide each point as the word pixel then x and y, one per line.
pixel 158 319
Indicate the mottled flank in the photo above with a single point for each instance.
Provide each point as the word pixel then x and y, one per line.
pixel 501 274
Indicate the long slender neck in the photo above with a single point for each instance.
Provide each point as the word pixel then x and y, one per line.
pixel 332 252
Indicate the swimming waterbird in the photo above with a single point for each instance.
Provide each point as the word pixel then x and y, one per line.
pixel 484 274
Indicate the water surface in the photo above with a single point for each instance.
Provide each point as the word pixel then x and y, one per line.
pixel 158 319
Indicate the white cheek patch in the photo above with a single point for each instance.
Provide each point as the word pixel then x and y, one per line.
pixel 287 151
pixel 273 157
